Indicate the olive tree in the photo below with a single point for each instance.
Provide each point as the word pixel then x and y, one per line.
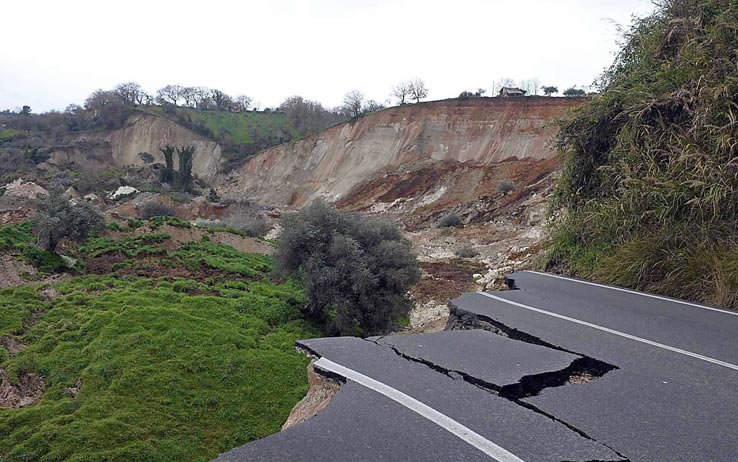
pixel 356 269
pixel 58 218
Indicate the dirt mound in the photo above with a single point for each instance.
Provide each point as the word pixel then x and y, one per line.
pixel 14 272
pixel 27 390
pixel 14 215
pixel 25 190
pixel 183 235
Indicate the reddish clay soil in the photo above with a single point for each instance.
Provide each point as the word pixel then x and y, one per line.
pixel 468 190
pixel 446 279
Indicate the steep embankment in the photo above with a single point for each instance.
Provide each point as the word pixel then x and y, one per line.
pixel 439 136
pixel 650 180
pixel 142 133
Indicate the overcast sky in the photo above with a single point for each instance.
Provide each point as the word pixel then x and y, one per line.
pixel 57 52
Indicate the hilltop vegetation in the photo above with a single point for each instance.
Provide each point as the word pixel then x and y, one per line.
pixel 28 140
pixel 241 134
pixel 650 181
pixel 154 350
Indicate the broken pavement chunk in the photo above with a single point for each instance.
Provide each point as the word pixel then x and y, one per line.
pixel 485 356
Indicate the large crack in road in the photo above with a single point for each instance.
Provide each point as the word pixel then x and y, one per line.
pixel 583 369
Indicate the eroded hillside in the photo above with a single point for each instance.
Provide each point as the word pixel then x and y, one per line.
pixel 142 133
pixel 437 135
pixel 486 161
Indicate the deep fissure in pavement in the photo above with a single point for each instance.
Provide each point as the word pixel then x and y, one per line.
pixel 527 386
pixel 532 385
pixel 581 370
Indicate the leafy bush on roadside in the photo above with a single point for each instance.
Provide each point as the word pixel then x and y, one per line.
pixel 356 269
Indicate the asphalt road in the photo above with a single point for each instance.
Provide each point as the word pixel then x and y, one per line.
pixel 557 370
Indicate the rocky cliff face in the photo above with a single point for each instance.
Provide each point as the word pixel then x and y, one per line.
pixel 143 133
pixel 335 162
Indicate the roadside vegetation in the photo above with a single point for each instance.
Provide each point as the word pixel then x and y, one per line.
pixel 153 350
pixel 649 191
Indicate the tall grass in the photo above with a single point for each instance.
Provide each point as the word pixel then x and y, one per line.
pixel 649 190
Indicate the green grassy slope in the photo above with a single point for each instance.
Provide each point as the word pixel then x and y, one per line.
pixel 245 127
pixel 650 181
pixel 240 134
pixel 172 367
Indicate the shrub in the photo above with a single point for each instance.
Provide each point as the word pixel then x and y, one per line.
pixel 256 227
pixel 160 220
pixel 155 209
pixel 504 187
pixel 356 269
pixel 43 260
pixel 58 218
pixel 146 157
pixel 449 220
pixel 466 252
pixel 134 223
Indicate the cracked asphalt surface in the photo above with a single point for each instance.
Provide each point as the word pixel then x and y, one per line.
pixel 533 381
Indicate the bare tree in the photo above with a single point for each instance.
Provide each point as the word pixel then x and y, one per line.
pixel 353 103
pixel 371 106
pixel 131 93
pixel 536 85
pixel 502 83
pixel 401 91
pixel 418 90
pixel 241 103
pixel 189 94
pixel 530 86
pixel 170 94
pixel 202 97
pixel 308 116
pixel 107 109
pixel 222 101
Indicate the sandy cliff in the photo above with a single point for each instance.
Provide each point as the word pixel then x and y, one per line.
pixel 330 164
pixel 94 151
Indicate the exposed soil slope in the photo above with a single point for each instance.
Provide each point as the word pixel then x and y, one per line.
pixel 142 133
pixel 476 131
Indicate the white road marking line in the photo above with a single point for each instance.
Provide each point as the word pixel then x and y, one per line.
pixel 478 441
pixel 614 332
pixel 635 292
